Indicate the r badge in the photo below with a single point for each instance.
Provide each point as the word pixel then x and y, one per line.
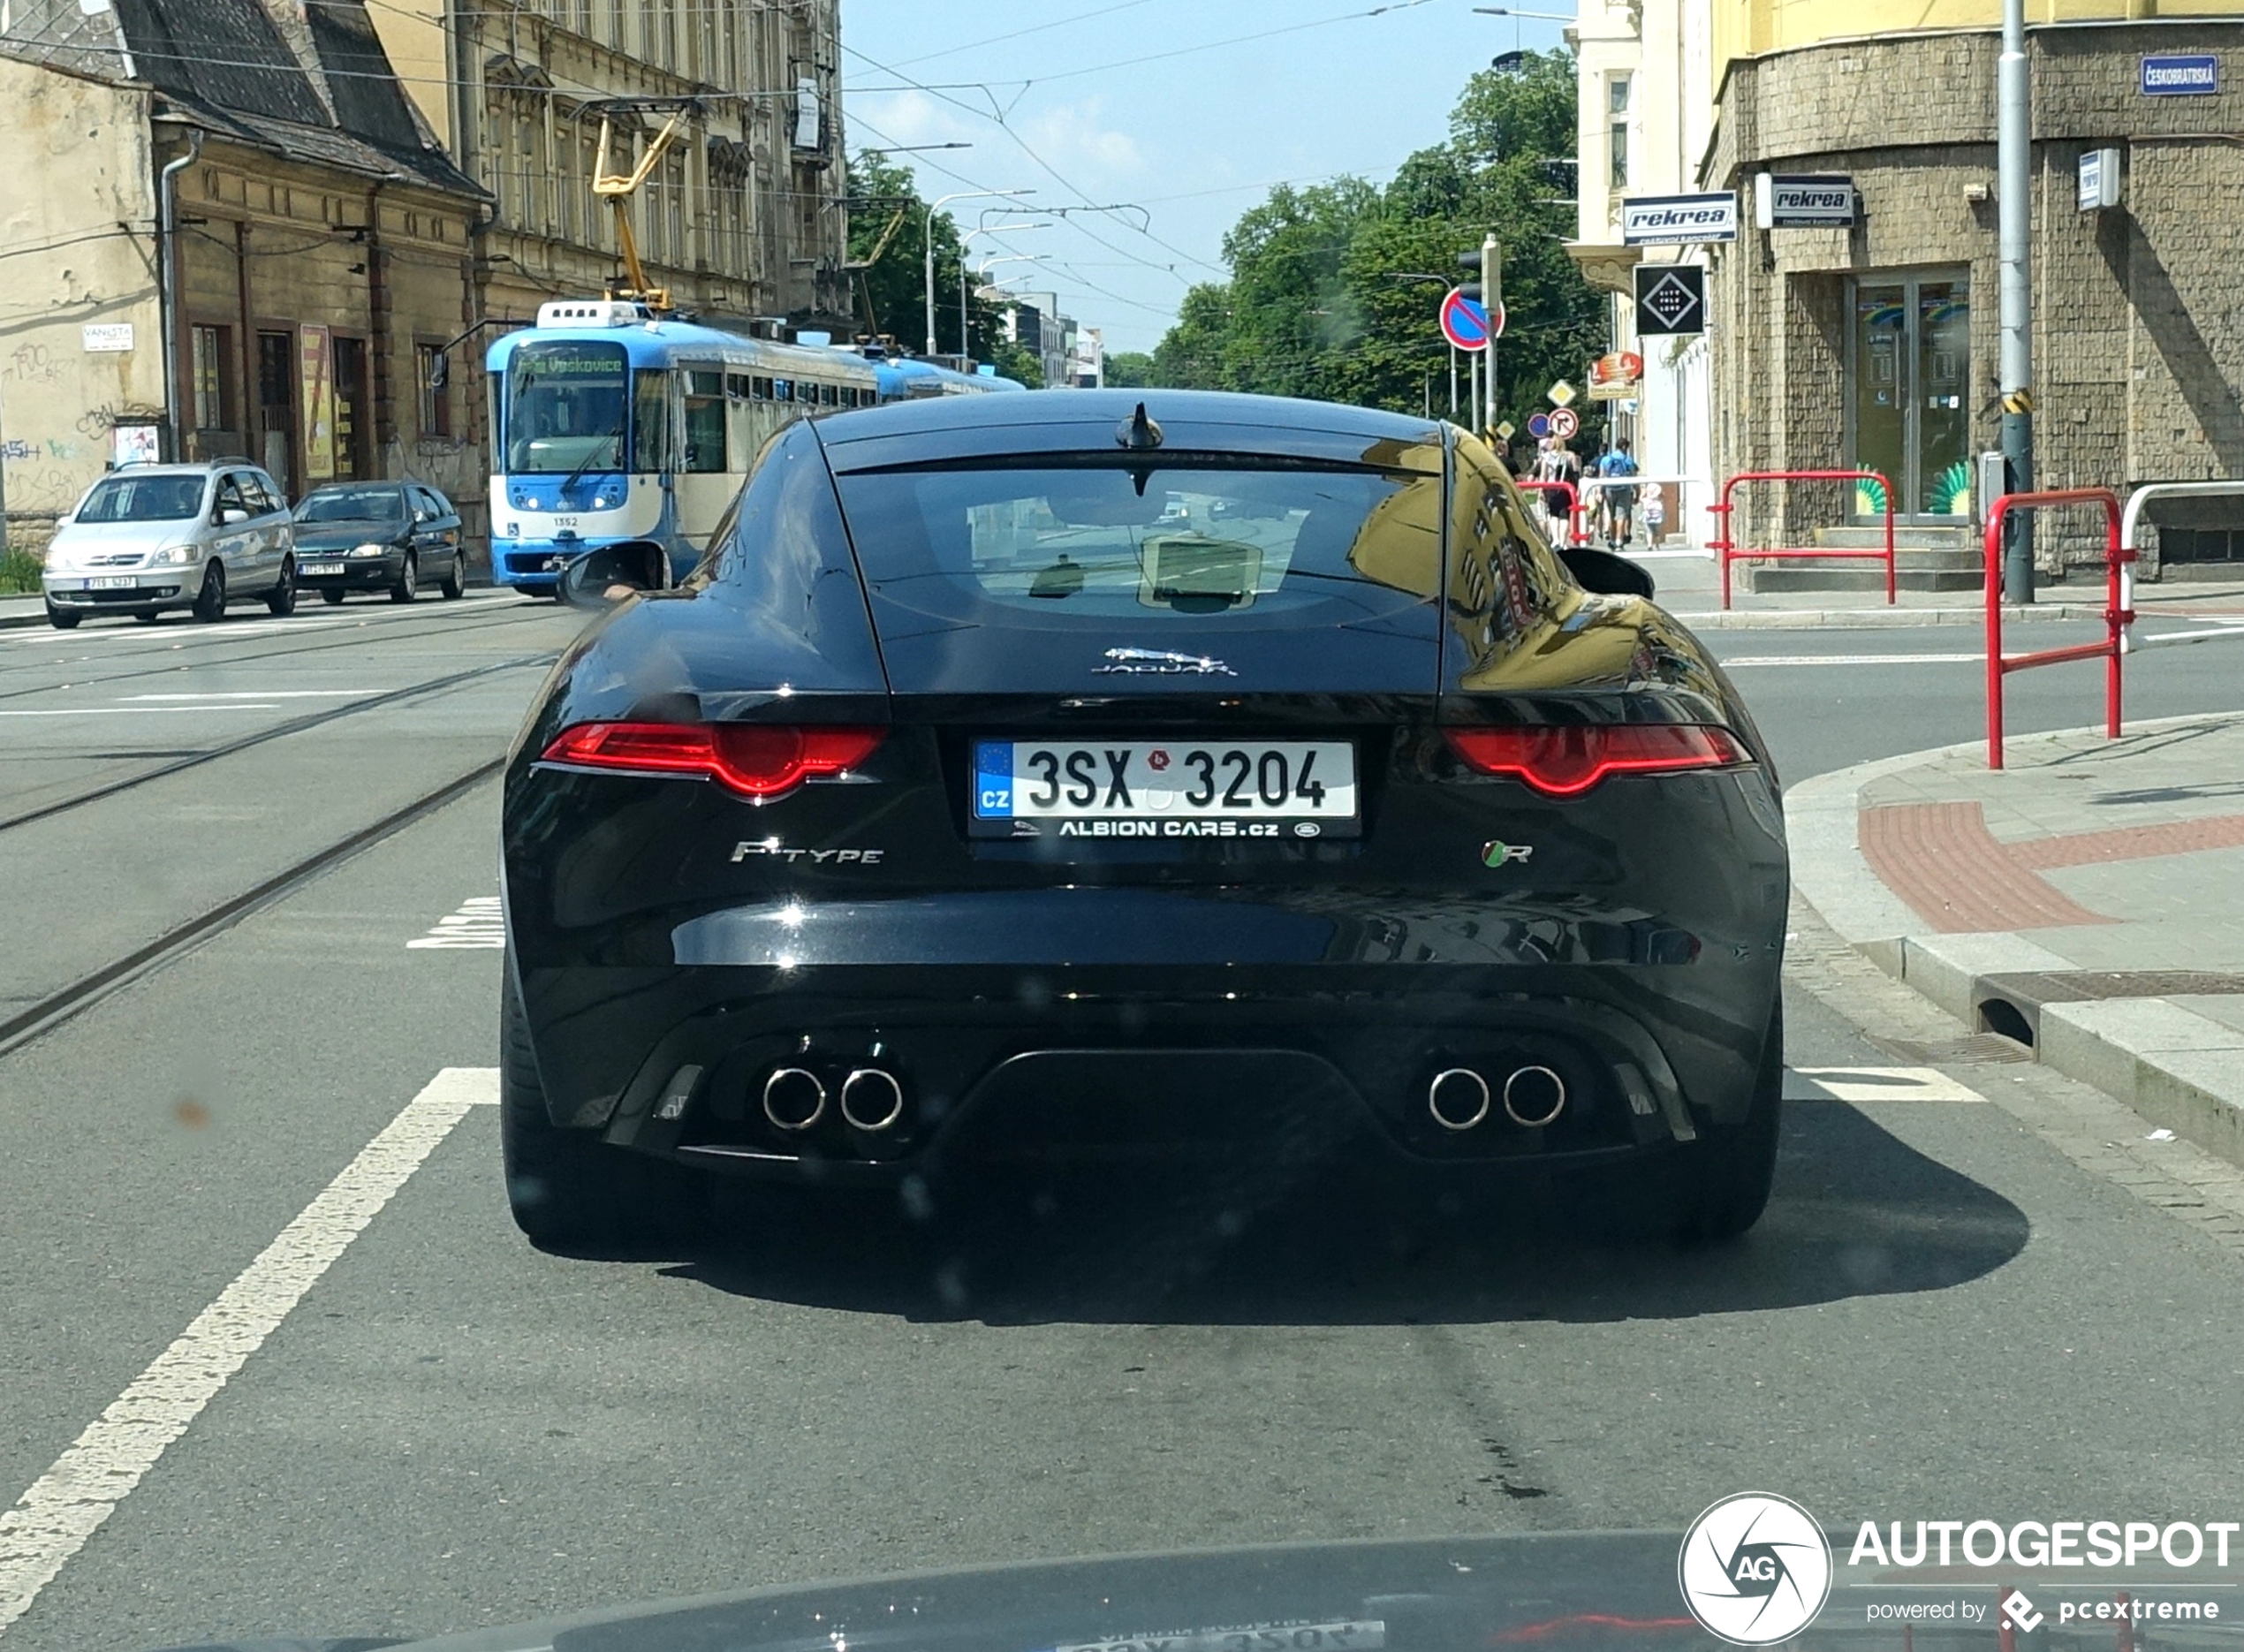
pixel 1499 855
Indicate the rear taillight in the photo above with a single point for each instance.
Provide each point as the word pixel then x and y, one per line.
pixel 757 759
pixel 1564 762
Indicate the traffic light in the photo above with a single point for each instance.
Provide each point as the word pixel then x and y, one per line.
pixel 1471 290
pixel 1470 260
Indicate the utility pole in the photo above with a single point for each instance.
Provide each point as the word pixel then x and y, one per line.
pixel 2013 176
pixel 1492 299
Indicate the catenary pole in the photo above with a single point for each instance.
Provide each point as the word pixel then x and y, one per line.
pixel 2013 170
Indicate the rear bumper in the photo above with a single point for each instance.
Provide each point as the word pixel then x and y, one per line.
pixel 1002 1061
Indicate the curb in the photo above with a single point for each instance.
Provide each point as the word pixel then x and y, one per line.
pixel 2175 1067
pixel 1875 618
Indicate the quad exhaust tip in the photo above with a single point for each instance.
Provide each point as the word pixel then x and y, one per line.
pixel 872 1100
pixel 794 1099
pixel 1458 1098
pixel 1535 1097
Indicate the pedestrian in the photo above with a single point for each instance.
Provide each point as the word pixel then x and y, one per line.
pixel 1564 466
pixel 1620 503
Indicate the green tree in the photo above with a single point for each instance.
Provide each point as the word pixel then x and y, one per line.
pixel 1129 369
pixel 1330 293
pixel 888 242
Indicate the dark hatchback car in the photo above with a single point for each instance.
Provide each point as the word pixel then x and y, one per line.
pixel 392 536
pixel 1051 776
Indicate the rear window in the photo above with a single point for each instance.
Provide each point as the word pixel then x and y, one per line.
pixel 1191 542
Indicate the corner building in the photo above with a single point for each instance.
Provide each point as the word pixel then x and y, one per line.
pixel 1876 344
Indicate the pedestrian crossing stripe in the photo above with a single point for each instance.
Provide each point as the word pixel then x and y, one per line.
pixel 478 923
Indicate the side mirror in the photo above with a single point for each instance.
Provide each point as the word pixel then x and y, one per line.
pixel 611 573
pixel 229 516
pixel 1602 572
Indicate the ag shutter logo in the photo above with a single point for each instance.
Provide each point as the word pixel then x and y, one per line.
pixel 1755 1569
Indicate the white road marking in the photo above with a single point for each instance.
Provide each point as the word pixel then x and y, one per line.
pixel 478 923
pixel 277 693
pixel 1853 659
pixel 146 711
pixel 52 1521
pixel 1875 1084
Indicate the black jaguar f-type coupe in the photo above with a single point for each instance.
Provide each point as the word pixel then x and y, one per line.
pixel 1080 774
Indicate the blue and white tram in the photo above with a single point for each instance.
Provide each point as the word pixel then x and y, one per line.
pixel 611 424
pixel 907 378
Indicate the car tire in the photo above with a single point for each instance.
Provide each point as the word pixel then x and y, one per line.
pixel 333 599
pixel 1721 1188
pixel 280 602
pixel 454 585
pixel 408 585
pixel 568 1188
pixel 61 618
pixel 211 601
pixel 1698 1193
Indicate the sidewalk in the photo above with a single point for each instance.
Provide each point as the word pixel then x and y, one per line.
pixel 1690 587
pixel 2088 899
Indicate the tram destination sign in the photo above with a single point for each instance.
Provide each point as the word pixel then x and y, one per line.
pixel 1678 220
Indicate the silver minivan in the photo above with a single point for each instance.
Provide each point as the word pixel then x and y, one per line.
pixel 149 538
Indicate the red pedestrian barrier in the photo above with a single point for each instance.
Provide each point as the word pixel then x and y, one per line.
pixel 1574 535
pixel 2117 617
pixel 1725 548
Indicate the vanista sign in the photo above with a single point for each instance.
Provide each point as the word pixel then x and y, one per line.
pixel 1756 1569
pixel 1678 220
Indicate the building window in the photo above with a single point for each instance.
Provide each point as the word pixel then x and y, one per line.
pixel 210 353
pixel 1617 99
pixel 435 404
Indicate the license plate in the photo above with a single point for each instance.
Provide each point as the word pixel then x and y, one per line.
pixel 1362 1636
pixel 112 582
pixel 1177 789
pixel 316 568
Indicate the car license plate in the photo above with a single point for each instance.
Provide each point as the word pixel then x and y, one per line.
pixel 1179 789
pixel 112 582
pixel 1369 1635
pixel 317 568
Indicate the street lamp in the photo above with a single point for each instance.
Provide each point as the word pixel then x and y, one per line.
pixel 1512 10
pixel 966 336
pixel 927 242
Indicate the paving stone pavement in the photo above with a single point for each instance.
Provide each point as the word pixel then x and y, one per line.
pixel 2088 899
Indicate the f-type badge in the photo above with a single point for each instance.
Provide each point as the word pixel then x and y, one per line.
pixel 1160 662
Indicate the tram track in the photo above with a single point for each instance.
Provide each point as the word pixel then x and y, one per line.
pixel 260 737
pixel 61 1004
pixel 359 637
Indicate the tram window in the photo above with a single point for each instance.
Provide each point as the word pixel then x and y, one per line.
pixel 762 387
pixel 826 397
pixel 704 422
pixel 651 448
pixel 783 391
pixel 736 386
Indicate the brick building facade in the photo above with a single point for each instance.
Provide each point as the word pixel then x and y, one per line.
pixel 1876 344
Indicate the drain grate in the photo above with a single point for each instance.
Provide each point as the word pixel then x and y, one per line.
pixel 1978 1048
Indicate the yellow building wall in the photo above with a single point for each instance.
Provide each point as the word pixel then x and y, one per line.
pixel 413 36
pixel 1748 27
pixel 79 166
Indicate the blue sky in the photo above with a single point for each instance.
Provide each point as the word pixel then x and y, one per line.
pixel 1196 138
